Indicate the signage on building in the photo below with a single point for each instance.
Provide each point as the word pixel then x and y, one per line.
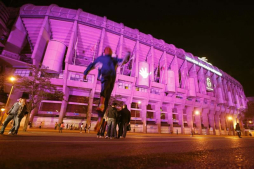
pixel 143 75
pixel 209 85
pixel 203 65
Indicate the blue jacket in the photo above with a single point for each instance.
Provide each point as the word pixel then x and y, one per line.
pixel 106 64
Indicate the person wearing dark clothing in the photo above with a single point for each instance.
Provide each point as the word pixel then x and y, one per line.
pixel 120 124
pixel 17 112
pixel 126 118
pixel 107 70
pixel 238 130
pixel 111 121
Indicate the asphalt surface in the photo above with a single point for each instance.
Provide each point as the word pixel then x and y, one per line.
pixel 71 149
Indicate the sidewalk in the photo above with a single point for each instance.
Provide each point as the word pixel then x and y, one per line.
pixel 47 130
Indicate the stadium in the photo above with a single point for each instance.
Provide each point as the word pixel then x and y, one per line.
pixel 167 89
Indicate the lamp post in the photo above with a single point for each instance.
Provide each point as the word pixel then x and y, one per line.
pixel 195 113
pixel 12 79
pixel 2 110
pixel 229 122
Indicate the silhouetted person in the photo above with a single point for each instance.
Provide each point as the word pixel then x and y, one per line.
pixel 238 130
pixel 126 118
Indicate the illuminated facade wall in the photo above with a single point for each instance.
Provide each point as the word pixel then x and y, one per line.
pixel 162 85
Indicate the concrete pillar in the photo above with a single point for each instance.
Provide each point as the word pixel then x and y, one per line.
pixel 100 51
pixel 120 49
pixel 64 104
pixel 198 121
pixel 152 64
pixel 180 118
pixel 217 121
pixel 212 121
pixel 189 113
pixel 143 114
pixel 170 117
pixel 41 42
pixel 205 120
pixel 16 39
pixel 136 60
pixel 223 122
pixel 158 115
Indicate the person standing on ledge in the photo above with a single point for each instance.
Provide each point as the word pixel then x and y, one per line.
pixel 107 66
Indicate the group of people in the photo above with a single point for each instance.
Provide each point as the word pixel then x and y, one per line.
pixel 106 65
pixel 61 126
pixel 112 119
pixel 16 113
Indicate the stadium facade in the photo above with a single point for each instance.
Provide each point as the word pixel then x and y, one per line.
pixel 167 89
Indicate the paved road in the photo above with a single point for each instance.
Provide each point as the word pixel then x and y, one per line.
pixel 49 149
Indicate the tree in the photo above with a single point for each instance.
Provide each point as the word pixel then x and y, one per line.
pixel 38 86
pixel 249 112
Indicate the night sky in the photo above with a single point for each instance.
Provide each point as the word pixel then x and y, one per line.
pixel 221 30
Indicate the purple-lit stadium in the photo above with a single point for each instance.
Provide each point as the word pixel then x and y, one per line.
pixel 167 89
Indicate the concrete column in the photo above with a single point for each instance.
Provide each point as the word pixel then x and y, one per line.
pixel 205 120
pixel 41 43
pixel 223 122
pixel 143 114
pixel 174 67
pixel 217 121
pixel 64 104
pixel 136 61
pixel 16 39
pixel 100 51
pixel 158 115
pixel 152 64
pixel 212 121
pixel 198 121
pixel 170 117
pixel 189 113
pixel 180 118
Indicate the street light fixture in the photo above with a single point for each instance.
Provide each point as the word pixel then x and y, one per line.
pixel 230 118
pixel 197 112
pixel 12 79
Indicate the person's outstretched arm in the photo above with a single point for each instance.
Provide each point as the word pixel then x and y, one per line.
pixel 89 68
pixel 124 60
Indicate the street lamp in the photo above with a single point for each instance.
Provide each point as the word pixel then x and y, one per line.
pixel 196 112
pixel 230 118
pixel 12 79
